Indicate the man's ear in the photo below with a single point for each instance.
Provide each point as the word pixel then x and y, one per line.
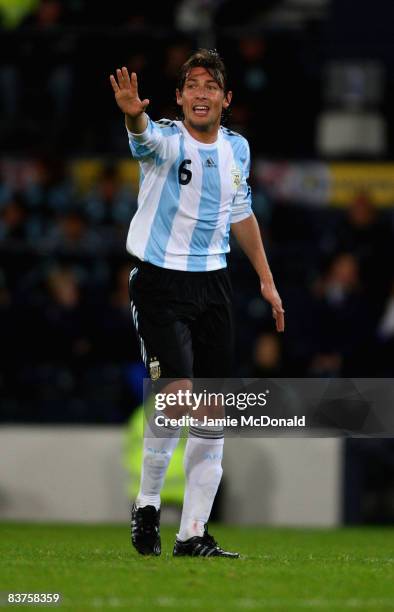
pixel 227 99
pixel 178 97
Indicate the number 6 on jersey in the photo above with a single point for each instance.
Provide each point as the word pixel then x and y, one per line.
pixel 184 174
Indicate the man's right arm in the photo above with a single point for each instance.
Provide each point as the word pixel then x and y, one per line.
pixel 145 139
pixel 136 125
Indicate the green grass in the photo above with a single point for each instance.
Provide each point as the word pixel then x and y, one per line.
pixel 94 567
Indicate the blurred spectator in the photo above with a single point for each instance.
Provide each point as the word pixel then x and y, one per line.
pixel 365 233
pixel 176 54
pixel 267 359
pixel 193 15
pixel 13 220
pixel 345 329
pixel 48 13
pixel 98 202
pixel 50 190
pixel 248 72
pixel 252 56
pixel 70 234
pixel 239 118
pixel 112 333
pixel 108 202
pixel 49 90
pixel 64 322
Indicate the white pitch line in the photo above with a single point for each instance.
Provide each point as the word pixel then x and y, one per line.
pixel 242 603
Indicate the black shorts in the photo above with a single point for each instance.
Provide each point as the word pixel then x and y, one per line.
pixel 184 321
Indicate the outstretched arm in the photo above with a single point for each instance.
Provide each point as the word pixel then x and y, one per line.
pixel 126 96
pixel 247 233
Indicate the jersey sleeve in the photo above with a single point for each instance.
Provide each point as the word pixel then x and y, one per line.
pixel 242 203
pixel 154 142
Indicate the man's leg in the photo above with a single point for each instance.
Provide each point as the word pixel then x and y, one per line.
pixel 203 470
pixel 213 357
pixel 166 349
pixel 213 341
pixel 158 447
pixel 159 444
pixel 203 457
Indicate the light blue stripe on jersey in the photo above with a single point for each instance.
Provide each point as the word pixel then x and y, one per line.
pixel 239 147
pixel 156 246
pixel 208 211
pixel 140 150
pixel 242 160
pixel 142 176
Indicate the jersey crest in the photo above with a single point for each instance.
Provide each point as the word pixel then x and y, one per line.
pixel 236 176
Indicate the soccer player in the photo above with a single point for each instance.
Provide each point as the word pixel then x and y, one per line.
pixel 193 189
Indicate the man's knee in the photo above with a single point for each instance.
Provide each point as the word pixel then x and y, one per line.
pixel 173 398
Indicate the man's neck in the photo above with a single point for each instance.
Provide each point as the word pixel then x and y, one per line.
pixel 205 137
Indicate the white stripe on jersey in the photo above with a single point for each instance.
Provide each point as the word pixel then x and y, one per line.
pixel 178 246
pixel 219 243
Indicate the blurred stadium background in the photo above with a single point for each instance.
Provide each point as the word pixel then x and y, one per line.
pixel 313 85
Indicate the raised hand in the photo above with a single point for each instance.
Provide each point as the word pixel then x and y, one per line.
pixel 126 93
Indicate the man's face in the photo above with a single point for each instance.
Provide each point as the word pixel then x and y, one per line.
pixel 202 100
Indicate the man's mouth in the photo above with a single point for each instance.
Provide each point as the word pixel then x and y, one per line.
pixel 201 110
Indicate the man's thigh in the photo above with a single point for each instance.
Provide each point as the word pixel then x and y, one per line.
pixel 213 342
pixel 165 339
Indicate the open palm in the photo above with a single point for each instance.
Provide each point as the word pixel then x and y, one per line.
pixel 126 93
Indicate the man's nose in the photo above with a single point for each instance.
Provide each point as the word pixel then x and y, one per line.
pixel 201 93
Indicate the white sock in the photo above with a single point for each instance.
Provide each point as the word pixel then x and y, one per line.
pixel 203 469
pixel 159 444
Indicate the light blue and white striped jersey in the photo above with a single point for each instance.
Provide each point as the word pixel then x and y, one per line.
pixel 189 194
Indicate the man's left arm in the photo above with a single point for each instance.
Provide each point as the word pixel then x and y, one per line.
pixel 247 233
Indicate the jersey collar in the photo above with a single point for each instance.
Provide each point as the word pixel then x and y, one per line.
pixel 197 143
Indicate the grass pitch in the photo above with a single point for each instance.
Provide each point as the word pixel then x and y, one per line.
pixel 94 567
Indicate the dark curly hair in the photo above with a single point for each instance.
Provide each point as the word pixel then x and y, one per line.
pixel 211 61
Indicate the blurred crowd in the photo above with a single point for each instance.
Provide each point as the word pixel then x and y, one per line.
pixel 56 61
pixel 56 58
pixel 335 271
pixel 68 347
pixel 67 343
